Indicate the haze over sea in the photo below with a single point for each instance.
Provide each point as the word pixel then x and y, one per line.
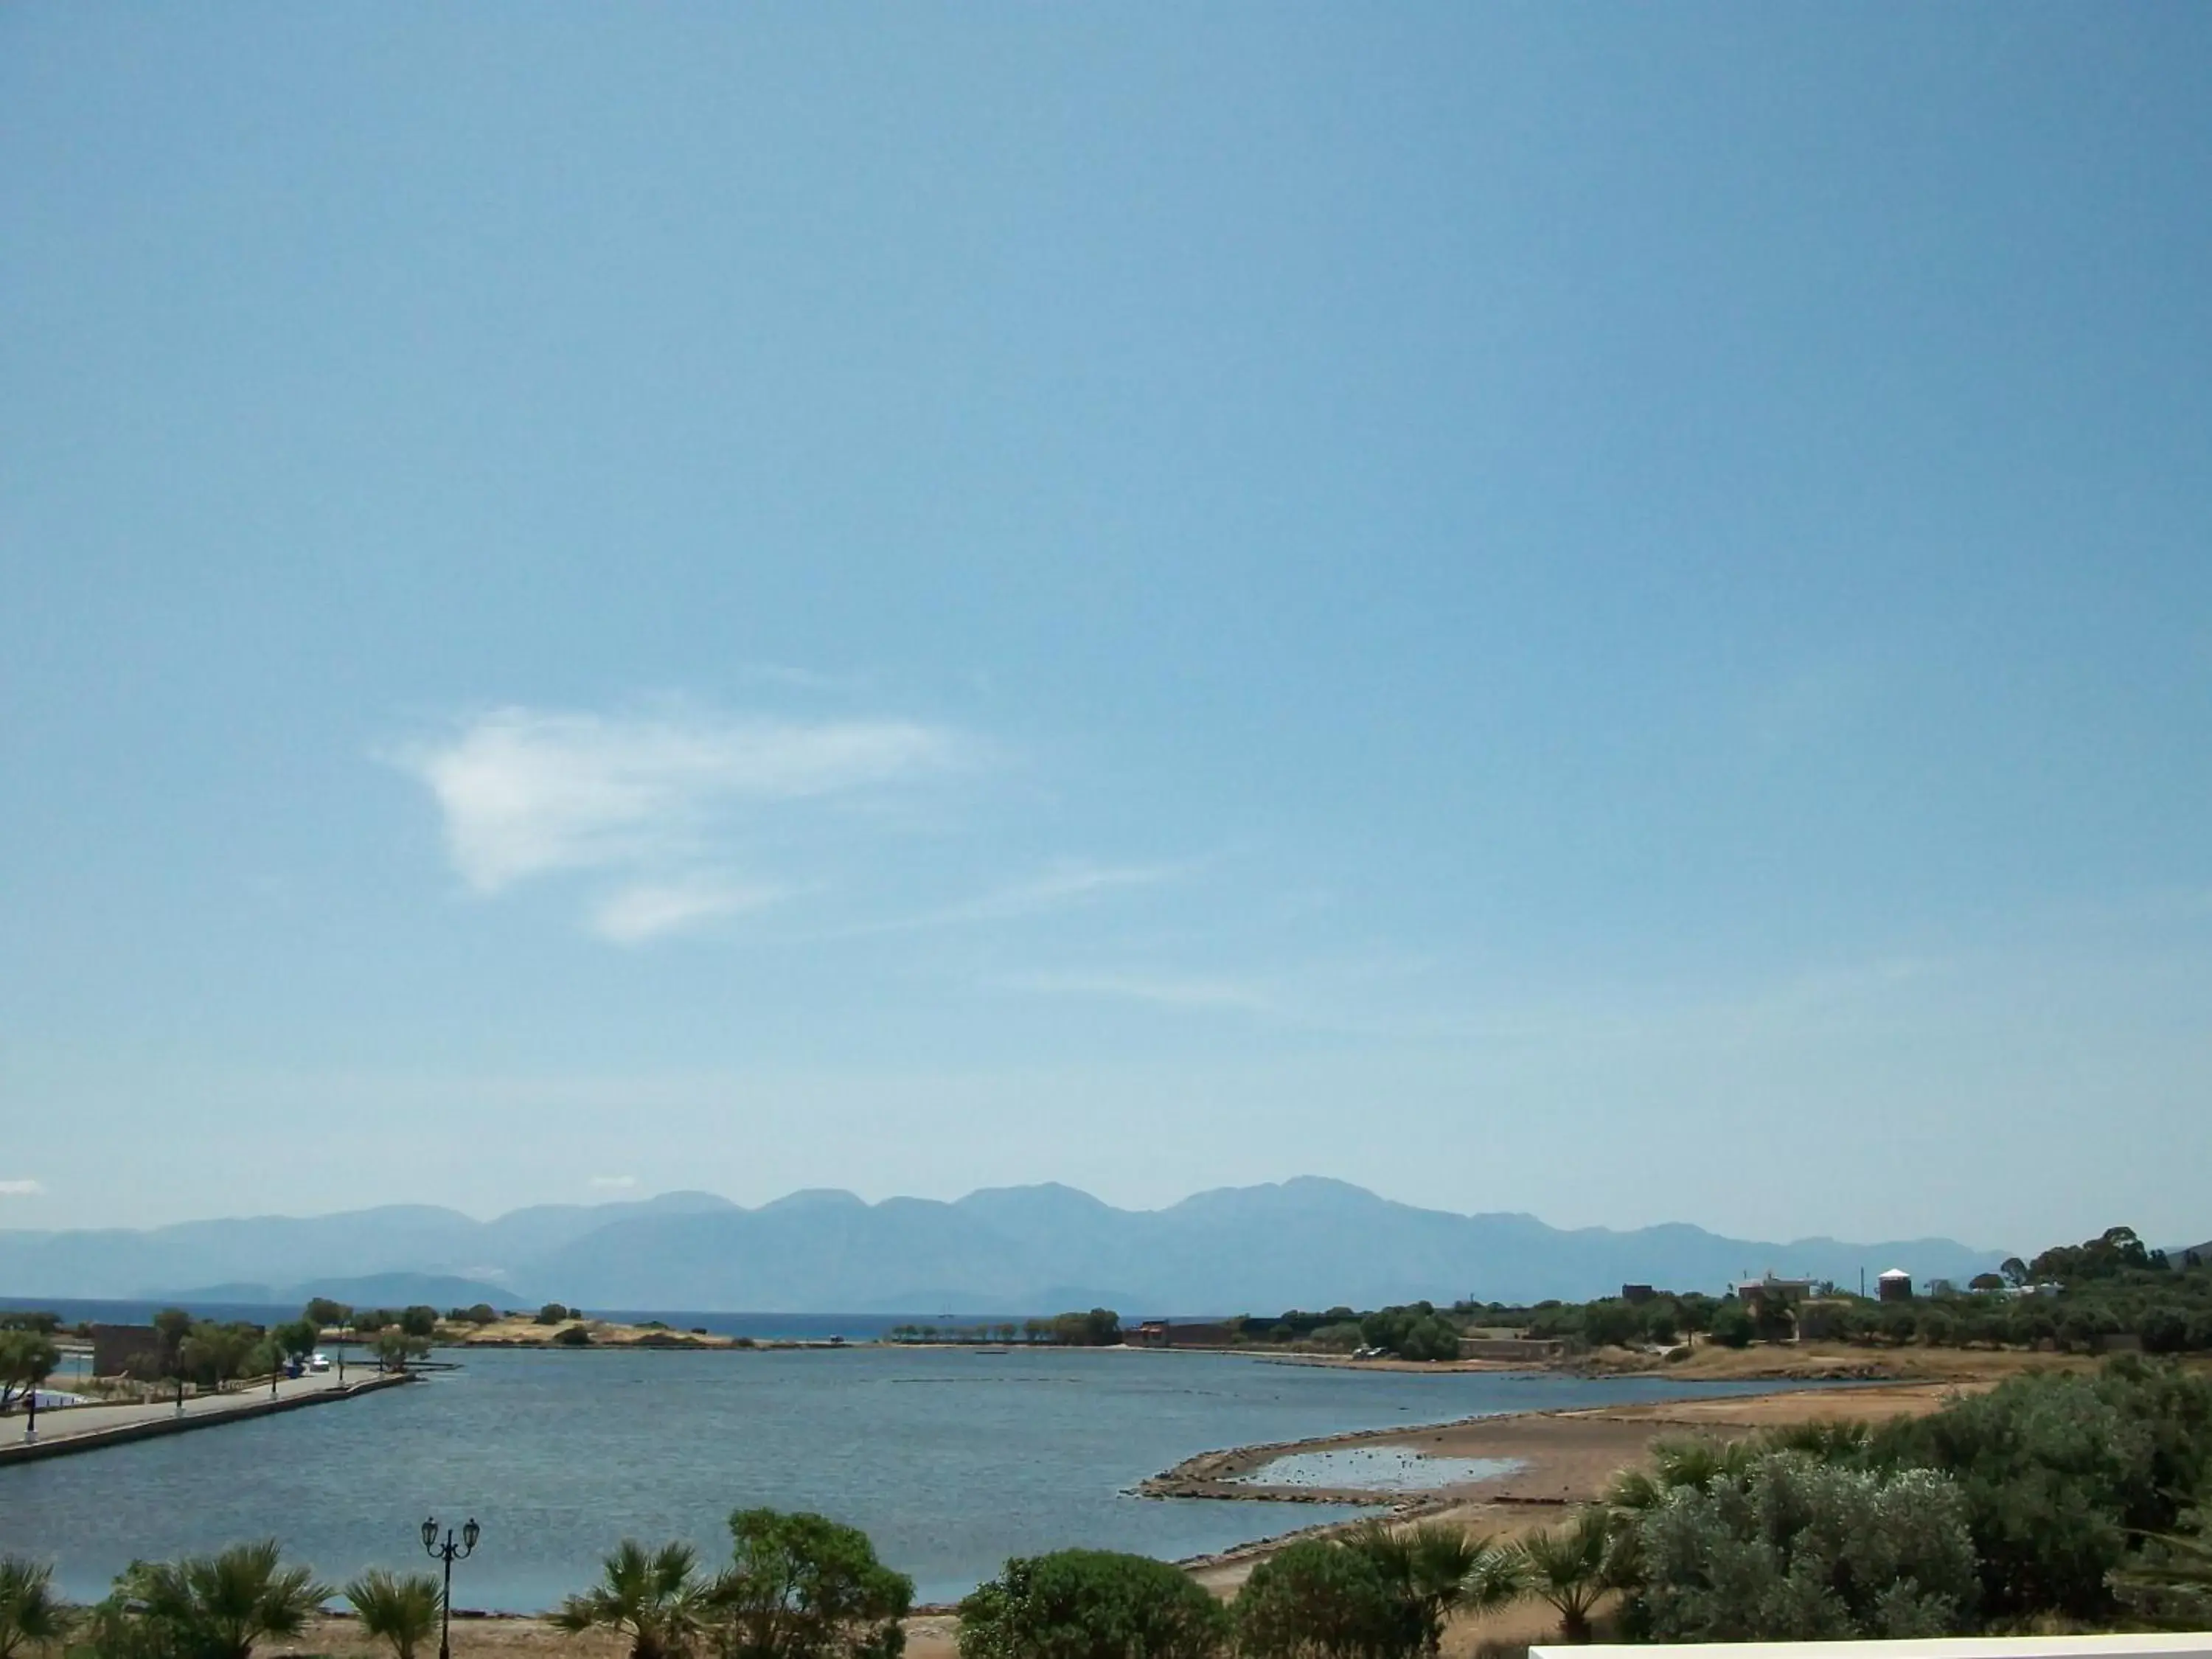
pixel 951 1459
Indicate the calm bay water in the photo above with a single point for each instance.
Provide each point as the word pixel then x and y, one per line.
pixel 952 1461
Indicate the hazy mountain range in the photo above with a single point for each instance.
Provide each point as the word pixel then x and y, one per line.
pixel 1307 1242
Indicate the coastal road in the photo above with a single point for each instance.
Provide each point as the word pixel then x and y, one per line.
pixel 75 1428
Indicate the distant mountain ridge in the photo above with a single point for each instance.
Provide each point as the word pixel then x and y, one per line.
pixel 1305 1243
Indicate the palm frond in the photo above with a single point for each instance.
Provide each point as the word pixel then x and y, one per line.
pixel 31 1614
pixel 400 1610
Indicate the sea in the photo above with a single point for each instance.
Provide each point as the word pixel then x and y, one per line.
pixel 952 1459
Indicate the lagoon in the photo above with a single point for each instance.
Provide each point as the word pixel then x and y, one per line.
pixel 951 1459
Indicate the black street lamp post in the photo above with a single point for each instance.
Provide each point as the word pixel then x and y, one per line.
pixel 448 1552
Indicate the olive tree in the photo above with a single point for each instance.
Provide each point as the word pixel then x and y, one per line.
pixel 1794 1549
pixel 802 1586
pixel 394 1348
pixel 27 1359
pixel 2059 1472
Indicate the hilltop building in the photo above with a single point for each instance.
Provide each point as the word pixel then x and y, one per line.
pixel 1756 1291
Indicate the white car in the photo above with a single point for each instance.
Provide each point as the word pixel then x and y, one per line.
pixel 318 1362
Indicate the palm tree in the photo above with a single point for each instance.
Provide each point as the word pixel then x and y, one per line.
pixel 1630 1491
pixel 1827 1439
pixel 1698 1462
pixel 217 1607
pixel 1440 1570
pixel 1677 1462
pixel 401 1610
pixel 655 1597
pixel 31 1614
pixel 1568 1568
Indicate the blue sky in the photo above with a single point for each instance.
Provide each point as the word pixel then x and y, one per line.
pixel 1601 610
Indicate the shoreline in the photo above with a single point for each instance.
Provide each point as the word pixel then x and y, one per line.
pixel 1566 1457
pixel 1550 1457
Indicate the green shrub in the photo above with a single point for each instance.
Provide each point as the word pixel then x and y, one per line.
pixel 1415 1332
pixel 2058 1471
pixel 1091 1604
pixel 1313 1600
pixel 1733 1326
pixel 1099 1328
pixel 1797 1550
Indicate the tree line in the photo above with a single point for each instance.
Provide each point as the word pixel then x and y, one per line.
pixel 1100 1328
pixel 2072 1298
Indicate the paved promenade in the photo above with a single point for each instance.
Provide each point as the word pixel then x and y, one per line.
pixel 82 1428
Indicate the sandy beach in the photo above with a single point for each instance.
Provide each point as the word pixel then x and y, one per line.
pixel 1555 1457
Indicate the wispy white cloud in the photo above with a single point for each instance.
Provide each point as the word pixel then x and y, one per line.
pixel 526 791
pixel 1064 884
pixel 21 1189
pixel 614 1183
pixel 662 815
pixel 1057 887
pixel 649 910
pixel 653 799
pixel 1170 990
